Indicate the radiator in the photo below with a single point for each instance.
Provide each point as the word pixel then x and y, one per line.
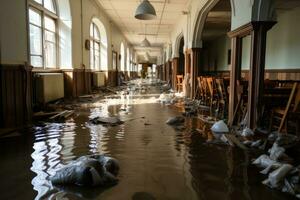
pixel 99 79
pixel 49 87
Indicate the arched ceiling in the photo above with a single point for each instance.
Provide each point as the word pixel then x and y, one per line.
pixel 218 21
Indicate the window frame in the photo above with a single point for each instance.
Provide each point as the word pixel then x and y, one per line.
pixel 94 41
pixel 37 7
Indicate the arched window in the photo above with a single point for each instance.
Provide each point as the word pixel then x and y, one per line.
pixel 43 33
pixel 98 45
pixel 122 53
pixel 94 46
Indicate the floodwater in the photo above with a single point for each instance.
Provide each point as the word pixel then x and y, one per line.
pixel 156 161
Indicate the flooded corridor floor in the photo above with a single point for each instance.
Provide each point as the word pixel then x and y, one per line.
pixel 156 161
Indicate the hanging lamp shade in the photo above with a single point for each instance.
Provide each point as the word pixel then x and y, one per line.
pixel 145 11
pixel 145 43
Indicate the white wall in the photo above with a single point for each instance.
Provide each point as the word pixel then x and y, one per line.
pixel 283 45
pixel 13 32
pixel 283 42
pixel 91 9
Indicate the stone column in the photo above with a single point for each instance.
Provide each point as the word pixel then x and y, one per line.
pixel 187 73
pixel 195 64
pixel 175 64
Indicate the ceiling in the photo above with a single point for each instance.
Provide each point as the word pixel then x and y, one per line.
pixel 157 31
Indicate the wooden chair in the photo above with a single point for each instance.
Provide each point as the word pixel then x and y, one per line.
pixel 205 90
pixel 179 83
pixel 291 107
pixel 211 89
pixel 200 92
pixel 222 97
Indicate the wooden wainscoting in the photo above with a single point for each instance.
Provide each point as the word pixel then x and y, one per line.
pixel 271 74
pixel 77 82
pixel 16 95
pixel 112 78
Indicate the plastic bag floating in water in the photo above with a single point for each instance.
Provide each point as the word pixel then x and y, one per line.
pixel 94 170
pixel 175 120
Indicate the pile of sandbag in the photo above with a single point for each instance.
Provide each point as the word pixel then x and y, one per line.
pixel 281 174
pixel 93 170
pixel 167 99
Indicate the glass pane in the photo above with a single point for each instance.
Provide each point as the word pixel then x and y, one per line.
pixel 96 33
pixel 49 5
pixel 50 36
pixel 35 40
pixel 34 17
pixel 97 46
pixel 36 61
pixel 50 55
pixel 96 55
pixel 39 1
pixel 49 24
pixel 97 62
pixel 92 55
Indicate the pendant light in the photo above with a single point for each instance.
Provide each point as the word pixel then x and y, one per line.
pixel 145 11
pixel 145 42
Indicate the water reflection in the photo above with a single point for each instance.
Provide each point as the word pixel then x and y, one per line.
pixel 157 161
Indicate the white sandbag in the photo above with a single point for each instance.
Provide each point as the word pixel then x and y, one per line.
pixel 278 175
pixel 175 120
pixel 165 98
pixel 247 132
pixel 110 164
pixel 85 171
pixel 264 161
pixel 276 151
pixel 219 127
pixel 256 144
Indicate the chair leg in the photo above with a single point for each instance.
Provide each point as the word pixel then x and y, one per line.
pixel 271 122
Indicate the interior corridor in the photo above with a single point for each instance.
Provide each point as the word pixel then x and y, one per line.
pixel 149 99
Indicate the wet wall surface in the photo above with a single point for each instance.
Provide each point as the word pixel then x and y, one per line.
pixel 156 161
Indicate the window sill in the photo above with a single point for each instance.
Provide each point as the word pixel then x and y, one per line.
pixel 39 70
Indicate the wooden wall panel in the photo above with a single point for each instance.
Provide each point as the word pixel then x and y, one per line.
pixel 112 78
pixel 16 95
pixel 271 74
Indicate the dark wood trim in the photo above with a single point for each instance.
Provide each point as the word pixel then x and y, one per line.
pixel 246 29
pixel 235 76
pixel 266 71
pixel 242 31
pixel 258 31
pixel 175 65
pixel 257 68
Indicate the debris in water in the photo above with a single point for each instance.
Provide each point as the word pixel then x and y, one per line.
pixel 247 132
pixel 90 171
pixel 113 121
pixel 220 127
pixel 276 177
pixel 175 120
